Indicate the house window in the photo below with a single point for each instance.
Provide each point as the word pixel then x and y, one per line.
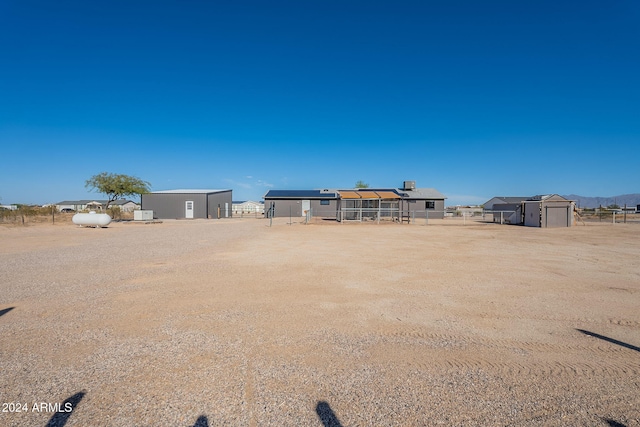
pixel 325 202
pixel 431 204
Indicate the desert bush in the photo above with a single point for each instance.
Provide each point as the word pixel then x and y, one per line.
pixel 115 212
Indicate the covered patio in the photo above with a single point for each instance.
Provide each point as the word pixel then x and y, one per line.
pixel 368 205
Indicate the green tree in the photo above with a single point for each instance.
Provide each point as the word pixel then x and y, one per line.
pixel 362 184
pixel 117 186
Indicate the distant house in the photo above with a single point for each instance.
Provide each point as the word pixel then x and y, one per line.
pixel 81 205
pixel 247 207
pixel 188 204
pixel 489 204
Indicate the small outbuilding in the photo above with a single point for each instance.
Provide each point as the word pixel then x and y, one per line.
pixel 188 204
pixel 548 211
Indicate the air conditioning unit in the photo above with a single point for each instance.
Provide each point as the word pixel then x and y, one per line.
pixel 141 215
pixel 409 185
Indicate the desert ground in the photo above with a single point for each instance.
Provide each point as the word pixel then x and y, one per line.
pixel 232 322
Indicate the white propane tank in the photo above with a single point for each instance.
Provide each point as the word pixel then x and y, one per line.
pixel 91 219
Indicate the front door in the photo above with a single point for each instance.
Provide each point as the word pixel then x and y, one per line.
pixel 188 209
pixel 306 206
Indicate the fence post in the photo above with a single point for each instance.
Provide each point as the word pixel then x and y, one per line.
pixel 426 218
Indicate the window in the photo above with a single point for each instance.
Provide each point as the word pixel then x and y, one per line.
pixel 431 204
pixel 325 202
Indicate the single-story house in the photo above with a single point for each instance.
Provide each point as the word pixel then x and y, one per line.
pixel 81 205
pixel 489 204
pixel 247 207
pixel 296 203
pixel 357 204
pixel 188 204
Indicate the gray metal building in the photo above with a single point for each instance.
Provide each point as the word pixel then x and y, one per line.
pixel 188 204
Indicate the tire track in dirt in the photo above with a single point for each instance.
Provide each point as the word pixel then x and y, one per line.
pixel 473 352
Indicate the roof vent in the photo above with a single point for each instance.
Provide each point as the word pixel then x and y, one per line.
pixel 409 185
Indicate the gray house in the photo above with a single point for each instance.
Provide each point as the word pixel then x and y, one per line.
pixel 188 204
pixel 489 204
pixel 358 204
pixel 420 202
pixel 296 203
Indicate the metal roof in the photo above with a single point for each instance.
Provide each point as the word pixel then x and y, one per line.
pixel 364 194
pixel 368 194
pixel 299 194
pixel 104 202
pixel 375 194
pixel 388 195
pixel 542 197
pixel 422 194
pixel 509 199
pixel 344 194
pixel 188 191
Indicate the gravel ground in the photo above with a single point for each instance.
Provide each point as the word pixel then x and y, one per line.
pixel 231 322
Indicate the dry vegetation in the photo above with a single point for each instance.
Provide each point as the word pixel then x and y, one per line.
pixel 232 322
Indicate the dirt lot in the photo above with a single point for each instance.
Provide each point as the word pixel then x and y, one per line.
pixel 232 322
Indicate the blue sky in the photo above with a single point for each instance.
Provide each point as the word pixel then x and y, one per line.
pixel 473 98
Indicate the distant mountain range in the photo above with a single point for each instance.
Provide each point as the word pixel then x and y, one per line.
pixel 594 202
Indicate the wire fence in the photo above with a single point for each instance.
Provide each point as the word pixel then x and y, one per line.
pixel 256 214
pixel 439 217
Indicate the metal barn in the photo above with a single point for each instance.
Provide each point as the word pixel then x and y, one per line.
pixel 188 204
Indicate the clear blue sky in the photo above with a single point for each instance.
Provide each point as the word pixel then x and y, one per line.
pixel 473 98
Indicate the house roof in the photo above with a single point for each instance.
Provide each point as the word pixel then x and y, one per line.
pixel 188 191
pixel 421 194
pixel 368 194
pixel 547 197
pixel 384 193
pixel 508 199
pixel 103 202
pixel 241 202
pixel 299 194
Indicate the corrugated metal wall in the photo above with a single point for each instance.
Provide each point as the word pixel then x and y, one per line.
pixel 172 205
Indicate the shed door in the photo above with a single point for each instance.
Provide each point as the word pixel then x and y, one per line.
pixel 557 216
pixel 188 209
pixel 306 206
